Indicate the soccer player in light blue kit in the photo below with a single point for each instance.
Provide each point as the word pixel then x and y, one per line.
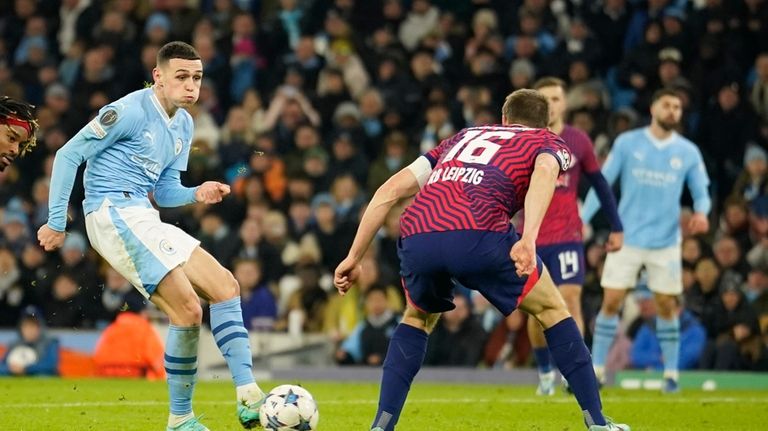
pixel 137 145
pixel 653 163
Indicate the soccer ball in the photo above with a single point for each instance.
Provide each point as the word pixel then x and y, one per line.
pixel 287 408
pixel 22 356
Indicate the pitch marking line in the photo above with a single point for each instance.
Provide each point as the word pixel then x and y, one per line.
pixel 531 400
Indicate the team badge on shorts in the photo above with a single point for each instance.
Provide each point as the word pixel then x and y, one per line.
pixel 177 148
pixel 166 247
pixel 108 118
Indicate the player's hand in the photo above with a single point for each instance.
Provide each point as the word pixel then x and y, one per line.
pixel 698 224
pixel 615 241
pixel 523 253
pixel 50 239
pixel 346 274
pixel 211 192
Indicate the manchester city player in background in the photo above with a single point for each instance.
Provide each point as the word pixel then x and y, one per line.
pixel 137 145
pixel 653 164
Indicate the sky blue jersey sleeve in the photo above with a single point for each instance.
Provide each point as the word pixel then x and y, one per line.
pixel 169 192
pixel 611 169
pixel 698 184
pixel 113 123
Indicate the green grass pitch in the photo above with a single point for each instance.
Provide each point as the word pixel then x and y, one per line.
pixel 106 405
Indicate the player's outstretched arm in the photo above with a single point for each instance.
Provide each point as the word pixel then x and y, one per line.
pixel 402 185
pixel 608 202
pixel 540 191
pixel 169 193
pixel 65 164
pixel 113 123
pixel 610 171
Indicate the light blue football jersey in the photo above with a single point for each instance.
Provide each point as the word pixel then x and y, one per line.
pixel 131 148
pixel 652 174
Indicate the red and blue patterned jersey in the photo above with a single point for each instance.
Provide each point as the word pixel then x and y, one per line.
pixel 562 223
pixel 479 179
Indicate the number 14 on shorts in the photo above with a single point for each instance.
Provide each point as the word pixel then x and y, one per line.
pixel 569 264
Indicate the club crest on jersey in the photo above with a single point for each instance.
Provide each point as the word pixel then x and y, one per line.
pixel 675 163
pixel 564 157
pixel 177 148
pixel 108 118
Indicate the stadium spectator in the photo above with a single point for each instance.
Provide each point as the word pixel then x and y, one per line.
pixel 701 298
pixel 458 338
pixel 380 322
pixel 646 349
pixel 258 302
pixel 116 294
pixel 130 347
pixel 732 331
pixel 34 353
pixel 13 296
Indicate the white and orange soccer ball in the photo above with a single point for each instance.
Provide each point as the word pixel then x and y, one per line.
pixel 289 408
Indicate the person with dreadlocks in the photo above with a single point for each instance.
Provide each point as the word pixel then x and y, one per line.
pixel 17 129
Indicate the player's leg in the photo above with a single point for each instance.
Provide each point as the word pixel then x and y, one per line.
pixel 117 235
pixel 565 263
pixel 175 297
pixel 572 296
pixel 429 291
pixel 547 375
pixel 619 274
pixel 405 354
pixel 546 371
pixel 665 281
pixel 568 350
pixel 217 285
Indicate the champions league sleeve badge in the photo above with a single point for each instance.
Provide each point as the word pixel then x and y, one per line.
pixel 108 118
pixel 564 157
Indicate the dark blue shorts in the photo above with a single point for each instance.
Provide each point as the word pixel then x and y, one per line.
pixel 565 262
pixel 479 260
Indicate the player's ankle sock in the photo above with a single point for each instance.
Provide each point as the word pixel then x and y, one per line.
pixel 176 420
pixel 668 332
pixel 542 359
pixel 605 331
pixel 181 367
pixel 249 393
pixel 232 339
pixel 404 357
pixel 572 358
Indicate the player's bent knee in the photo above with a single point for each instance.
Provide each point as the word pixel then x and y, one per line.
pixel 612 300
pixel 187 313
pixel 666 305
pixel 419 319
pixel 552 316
pixel 228 289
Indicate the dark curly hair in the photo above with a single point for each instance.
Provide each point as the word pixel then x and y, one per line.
pixel 23 111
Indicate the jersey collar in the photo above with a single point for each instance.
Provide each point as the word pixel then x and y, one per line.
pixel 156 102
pixel 660 143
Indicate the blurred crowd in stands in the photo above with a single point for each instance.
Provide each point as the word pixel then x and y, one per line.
pixel 307 106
